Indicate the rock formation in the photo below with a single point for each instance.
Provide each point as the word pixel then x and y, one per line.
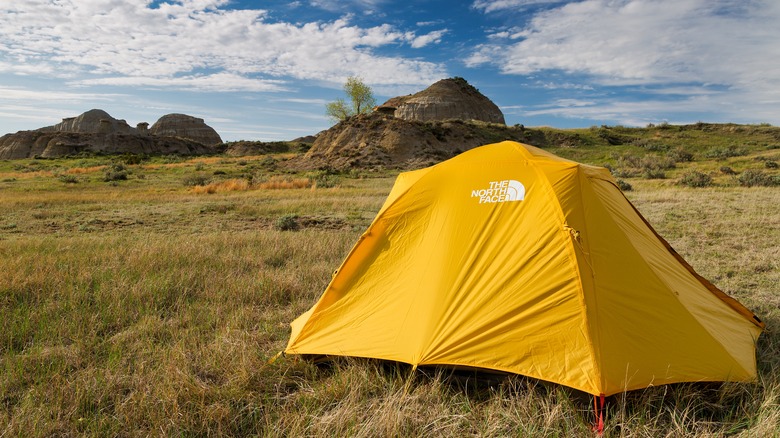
pixel 96 131
pixel 379 140
pixel 182 125
pixel 94 121
pixel 447 99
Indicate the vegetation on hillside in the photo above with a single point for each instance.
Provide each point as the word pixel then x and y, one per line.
pixel 360 100
pixel 150 304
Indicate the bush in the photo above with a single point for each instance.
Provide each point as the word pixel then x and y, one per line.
pixel 695 178
pixel 680 155
pixel 721 153
pixel 325 178
pixel 623 185
pixel 195 180
pixel 130 159
pixel 651 145
pixel 170 159
pixel 654 162
pixel 651 173
pixel 726 170
pixel 68 179
pixel 288 222
pixel 751 177
pixel 624 173
pixel 769 164
pixel 114 175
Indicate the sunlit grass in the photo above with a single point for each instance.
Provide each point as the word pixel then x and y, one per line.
pixel 143 308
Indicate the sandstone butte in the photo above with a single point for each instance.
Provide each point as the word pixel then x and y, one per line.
pixel 95 131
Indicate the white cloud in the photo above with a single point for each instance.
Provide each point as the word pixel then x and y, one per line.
pixel 715 106
pixel 693 48
pixel 429 38
pixel 198 44
pixel 25 95
pixel 645 42
pixel 368 7
pixel 213 82
pixel 500 5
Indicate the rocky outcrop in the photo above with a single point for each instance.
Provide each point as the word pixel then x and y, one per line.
pixel 377 140
pixel 95 121
pixel 96 131
pixel 182 125
pixel 28 144
pixel 447 99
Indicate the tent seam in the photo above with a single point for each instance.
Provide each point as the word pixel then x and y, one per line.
pixel 572 256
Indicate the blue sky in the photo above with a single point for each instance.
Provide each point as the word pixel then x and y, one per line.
pixel 263 70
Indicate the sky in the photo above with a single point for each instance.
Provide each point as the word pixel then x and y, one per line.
pixel 264 70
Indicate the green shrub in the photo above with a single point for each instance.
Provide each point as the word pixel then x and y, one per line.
pixel 721 153
pixel 325 178
pixel 68 179
pixel 769 164
pixel 196 180
pixel 651 145
pixel 628 160
pixel 726 170
pixel 651 173
pixel 680 155
pixel 131 159
pixel 623 185
pixel 170 159
pixel 695 178
pixel 655 162
pixel 752 177
pixel 268 163
pixel 114 175
pixel 624 172
pixel 288 222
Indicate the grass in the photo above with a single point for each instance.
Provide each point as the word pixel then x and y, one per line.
pixel 144 308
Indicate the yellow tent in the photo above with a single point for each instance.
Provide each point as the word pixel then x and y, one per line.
pixel 509 258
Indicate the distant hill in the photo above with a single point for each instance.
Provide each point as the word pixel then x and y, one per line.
pixel 96 131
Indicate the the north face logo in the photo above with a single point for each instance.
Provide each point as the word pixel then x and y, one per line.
pixel 500 191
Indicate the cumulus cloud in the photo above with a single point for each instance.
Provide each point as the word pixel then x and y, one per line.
pixel 211 82
pixel 709 52
pixel 500 5
pixel 645 42
pixel 197 44
pixel 429 38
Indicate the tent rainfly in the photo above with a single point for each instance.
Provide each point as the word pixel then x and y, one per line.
pixel 509 258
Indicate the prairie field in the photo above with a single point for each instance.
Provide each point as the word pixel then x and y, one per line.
pixel 146 299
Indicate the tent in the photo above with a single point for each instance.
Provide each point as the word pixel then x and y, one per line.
pixel 509 258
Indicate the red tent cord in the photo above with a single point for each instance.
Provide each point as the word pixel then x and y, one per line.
pixel 599 412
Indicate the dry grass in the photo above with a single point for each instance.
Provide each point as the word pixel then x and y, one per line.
pixel 230 185
pixel 146 309
pixel 85 170
pixel 26 175
pixel 281 182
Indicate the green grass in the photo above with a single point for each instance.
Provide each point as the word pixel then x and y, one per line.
pixel 143 308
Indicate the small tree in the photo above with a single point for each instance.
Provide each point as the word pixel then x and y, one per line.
pixel 360 97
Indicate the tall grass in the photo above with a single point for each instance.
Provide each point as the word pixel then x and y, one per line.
pixel 147 309
pixel 230 185
pixel 280 182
